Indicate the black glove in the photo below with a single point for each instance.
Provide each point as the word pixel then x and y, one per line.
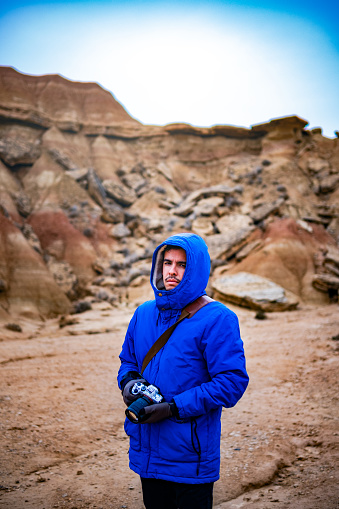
pixel 128 397
pixel 155 413
pixel 158 412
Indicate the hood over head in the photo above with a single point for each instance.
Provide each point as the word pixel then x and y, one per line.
pixel 195 277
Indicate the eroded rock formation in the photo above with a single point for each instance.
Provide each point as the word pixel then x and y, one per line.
pixel 86 192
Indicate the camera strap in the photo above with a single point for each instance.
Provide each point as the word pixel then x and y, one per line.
pixel 187 312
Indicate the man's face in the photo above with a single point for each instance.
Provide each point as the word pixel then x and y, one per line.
pixel 173 267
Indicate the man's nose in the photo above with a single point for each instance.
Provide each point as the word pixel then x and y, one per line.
pixel 173 269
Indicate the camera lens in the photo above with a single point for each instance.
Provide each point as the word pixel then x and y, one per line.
pixel 133 412
pixel 132 416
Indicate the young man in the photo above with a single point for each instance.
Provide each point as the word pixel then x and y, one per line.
pixel 201 368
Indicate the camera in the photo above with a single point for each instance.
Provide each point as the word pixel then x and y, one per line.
pixel 146 395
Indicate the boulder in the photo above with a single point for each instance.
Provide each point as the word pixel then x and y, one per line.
pixel 19 144
pixel 78 175
pixel 119 192
pixel 329 184
pixel 202 226
pixel 135 181
pixel 119 231
pixel 266 209
pixel 325 282
pixel 95 188
pixel 235 228
pixel 187 206
pixel 108 281
pixel 148 206
pixel 235 222
pixel 221 245
pixel 112 213
pixel 254 292
pixel 185 209
pixel 208 206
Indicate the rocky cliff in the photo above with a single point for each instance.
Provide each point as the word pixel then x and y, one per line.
pixel 86 192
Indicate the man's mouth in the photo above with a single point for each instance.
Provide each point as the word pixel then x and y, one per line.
pixel 172 280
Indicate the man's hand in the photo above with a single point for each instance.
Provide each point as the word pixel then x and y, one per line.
pixel 155 413
pixel 128 397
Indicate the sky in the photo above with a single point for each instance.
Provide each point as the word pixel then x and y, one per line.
pixel 240 62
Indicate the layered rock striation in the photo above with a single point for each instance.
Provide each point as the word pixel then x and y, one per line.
pixel 86 192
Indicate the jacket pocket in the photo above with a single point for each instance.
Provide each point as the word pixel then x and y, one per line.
pixel 133 431
pixel 177 442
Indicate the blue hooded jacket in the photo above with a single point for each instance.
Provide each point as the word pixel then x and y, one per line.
pixel 201 367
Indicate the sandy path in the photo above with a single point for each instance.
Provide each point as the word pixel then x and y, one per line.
pixel 62 438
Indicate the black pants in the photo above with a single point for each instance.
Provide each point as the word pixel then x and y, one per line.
pixel 159 494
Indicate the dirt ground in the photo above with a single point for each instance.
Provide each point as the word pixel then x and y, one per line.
pixel 62 439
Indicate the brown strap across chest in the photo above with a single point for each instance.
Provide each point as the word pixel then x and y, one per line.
pixel 187 312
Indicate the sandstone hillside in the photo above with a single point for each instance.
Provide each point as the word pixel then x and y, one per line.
pixel 86 192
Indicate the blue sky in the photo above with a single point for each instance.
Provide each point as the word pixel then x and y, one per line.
pixel 200 62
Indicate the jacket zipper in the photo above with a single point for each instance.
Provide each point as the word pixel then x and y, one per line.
pixel 198 448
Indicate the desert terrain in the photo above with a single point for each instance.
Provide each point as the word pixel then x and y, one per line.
pixel 86 194
pixel 62 436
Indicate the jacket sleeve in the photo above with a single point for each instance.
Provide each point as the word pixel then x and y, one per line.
pixel 225 360
pixel 127 356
